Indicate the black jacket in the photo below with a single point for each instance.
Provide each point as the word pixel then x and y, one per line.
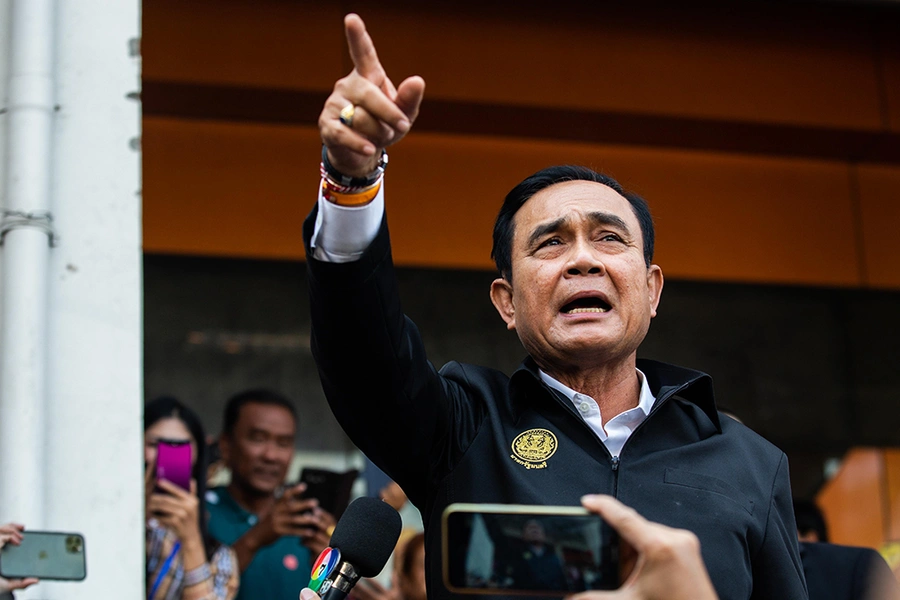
pixel 836 572
pixel 450 436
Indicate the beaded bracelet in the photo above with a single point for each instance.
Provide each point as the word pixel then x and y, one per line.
pixel 345 181
pixel 197 575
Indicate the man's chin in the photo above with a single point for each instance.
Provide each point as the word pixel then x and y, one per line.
pixel 262 487
pixel 585 353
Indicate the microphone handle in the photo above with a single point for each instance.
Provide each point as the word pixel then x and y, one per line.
pixel 346 578
pixel 334 593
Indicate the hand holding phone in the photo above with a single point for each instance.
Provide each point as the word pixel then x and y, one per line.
pixel 11 533
pixel 286 518
pixel 320 525
pixel 177 510
pixel 662 563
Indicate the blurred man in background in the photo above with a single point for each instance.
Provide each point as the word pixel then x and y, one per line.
pixel 836 572
pixel 275 532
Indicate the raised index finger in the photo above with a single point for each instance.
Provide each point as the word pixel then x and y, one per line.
pixel 362 49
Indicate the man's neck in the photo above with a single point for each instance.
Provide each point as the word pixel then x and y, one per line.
pixel 249 500
pixel 615 388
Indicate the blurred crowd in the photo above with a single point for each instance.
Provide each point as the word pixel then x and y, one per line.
pixel 242 530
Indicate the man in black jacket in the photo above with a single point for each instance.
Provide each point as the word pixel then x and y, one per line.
pixel 582 414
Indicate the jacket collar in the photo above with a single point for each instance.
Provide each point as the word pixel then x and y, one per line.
pixel 665 380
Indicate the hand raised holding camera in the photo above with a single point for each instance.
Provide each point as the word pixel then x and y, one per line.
pixel 288 516
pixel 177 509
pixel 319 526
pixel 11 533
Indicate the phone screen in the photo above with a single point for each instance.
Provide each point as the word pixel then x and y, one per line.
pixel 545 550
pixel 45 555
pixel 173 462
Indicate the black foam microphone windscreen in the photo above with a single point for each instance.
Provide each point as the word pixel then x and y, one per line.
pixel 366 534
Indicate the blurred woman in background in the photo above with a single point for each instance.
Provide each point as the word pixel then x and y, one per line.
pixel 409 574
pixel 183 561
pixel 408 577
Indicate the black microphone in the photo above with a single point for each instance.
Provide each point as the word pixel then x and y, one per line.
pixel 361 544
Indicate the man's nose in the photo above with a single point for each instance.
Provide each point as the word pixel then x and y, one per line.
pixel 585 260
pixel 270 452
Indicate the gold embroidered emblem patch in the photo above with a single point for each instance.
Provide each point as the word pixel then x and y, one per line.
pixel 532 448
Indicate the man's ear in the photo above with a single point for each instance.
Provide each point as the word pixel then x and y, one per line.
pixel 654 287
pixel 501 296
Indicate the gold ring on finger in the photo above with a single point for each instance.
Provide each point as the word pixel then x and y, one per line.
pixel 347 115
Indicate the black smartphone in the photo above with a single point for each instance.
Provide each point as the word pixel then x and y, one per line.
pixel 45 555
pixel 330 488
pixel 524 549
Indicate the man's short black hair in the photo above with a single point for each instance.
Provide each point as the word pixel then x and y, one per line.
pixel 519 195
pixel 253 396
pixel 810 518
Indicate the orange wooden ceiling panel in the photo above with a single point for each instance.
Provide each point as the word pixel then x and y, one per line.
pixel 879 189
pixel 298 44
pixel 718 217
pixel 240 190
pixel 781 65
pixel 751 64
pixel 227 190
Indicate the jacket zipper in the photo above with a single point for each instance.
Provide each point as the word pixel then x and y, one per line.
pixel 615 470
pixel 615 460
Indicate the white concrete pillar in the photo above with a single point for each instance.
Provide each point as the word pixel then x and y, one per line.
pixel 25 256
pixel 94 475
pixel 5 10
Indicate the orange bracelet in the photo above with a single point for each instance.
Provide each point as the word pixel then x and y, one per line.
pixel 353 199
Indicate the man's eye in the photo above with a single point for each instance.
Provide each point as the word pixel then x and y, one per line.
pixel 551 242
pixel 610 237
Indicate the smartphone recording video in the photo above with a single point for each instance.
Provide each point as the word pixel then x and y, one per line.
pixel 46 555
pixel 537 550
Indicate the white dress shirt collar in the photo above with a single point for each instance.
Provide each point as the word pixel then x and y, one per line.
pixel 617 430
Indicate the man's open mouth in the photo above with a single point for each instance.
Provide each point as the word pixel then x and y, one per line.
pixel 590 304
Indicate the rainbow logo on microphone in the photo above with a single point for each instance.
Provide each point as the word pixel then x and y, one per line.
pixel 325 564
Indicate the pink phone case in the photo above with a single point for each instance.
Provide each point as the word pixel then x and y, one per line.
pixel 173 463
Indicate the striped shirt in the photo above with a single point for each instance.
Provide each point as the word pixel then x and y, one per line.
pixel 165 569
